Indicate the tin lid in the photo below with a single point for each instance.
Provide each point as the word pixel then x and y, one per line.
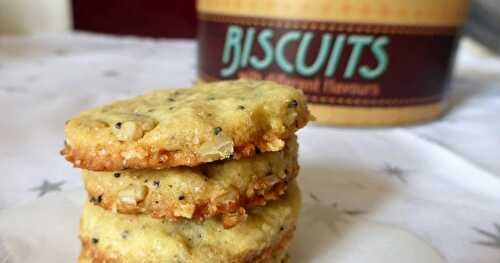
pixel 402 12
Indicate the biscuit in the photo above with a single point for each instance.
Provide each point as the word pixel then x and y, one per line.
pixel 89 254
pixel 186 127
pixel 225 188
pixel 109 237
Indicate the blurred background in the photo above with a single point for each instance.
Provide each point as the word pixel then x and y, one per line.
pixel 169 19
pixel 439 180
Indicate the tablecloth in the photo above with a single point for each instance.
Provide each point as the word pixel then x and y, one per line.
pixel 439 180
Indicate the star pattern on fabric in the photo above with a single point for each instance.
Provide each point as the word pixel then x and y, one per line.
pixel 61 52
pixel 13 90
pixel 314 197
pixel 347 211
pixel 47 187
pixel 396 172
pixel 317 214
pixel 330 215
pixel 110 73
pixel 353 212
pixel 491 239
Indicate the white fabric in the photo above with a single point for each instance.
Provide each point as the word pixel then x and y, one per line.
pixel 439 181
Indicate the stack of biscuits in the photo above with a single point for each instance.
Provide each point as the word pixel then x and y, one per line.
pixel 204 174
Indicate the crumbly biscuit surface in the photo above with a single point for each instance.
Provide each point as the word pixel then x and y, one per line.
pixel 225 188
pixel 186 127
pixel 86 256
pixel 140 238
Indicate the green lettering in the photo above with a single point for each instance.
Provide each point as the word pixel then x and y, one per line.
pixel 233 43
pixel 300 61
pixel 264 40
pixel 378 49
pixel 247 48
pixel 283 63
pixel 335 56
pixel 358 42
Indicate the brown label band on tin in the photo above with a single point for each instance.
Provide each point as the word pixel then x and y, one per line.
pixel 365 65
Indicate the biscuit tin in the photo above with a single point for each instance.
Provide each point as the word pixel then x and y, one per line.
pixel 360 62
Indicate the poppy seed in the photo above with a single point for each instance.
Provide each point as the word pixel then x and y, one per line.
pixel 293 104
pixel 217 130
pixel 156 184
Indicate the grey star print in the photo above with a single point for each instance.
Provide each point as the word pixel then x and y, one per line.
pixel 395 171
pixel 314 197
pixel 330 215
pixel 61 52
pixel 110 73
pixel 47 187
pixel 490 239
pixel 347 211
pixel 317 213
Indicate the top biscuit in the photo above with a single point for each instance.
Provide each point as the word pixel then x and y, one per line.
pixel 186 127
